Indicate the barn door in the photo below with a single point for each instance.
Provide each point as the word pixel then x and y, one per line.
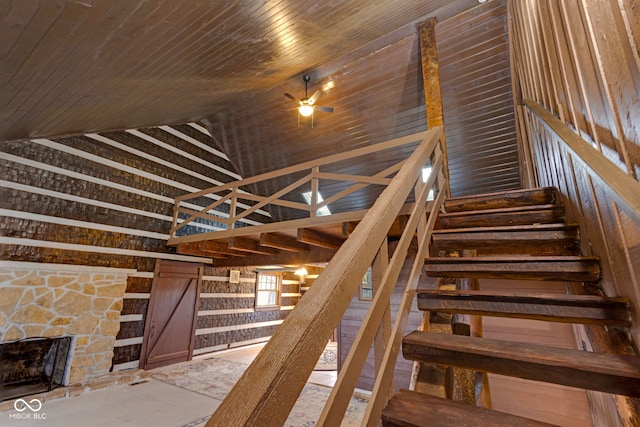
pixel 171 318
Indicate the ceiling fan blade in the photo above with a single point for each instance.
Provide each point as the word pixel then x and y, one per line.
pixel 314 97
pixel 325 109
pixel 293 98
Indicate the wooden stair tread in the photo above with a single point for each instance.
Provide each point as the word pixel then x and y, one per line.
pixel 526 267
pixel 521 215
pixel 525 197
pixel 409 408
pixel 615 374
pixel 516 209
pixel 506 228
pixel 545 238
pixel 586 309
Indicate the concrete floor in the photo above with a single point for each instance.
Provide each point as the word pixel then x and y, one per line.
pixel 147 403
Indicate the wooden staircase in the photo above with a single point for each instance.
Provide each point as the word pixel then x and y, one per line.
pixel 516 235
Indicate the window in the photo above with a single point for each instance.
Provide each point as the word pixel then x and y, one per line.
pixel 426 173
pixel 268 290
pixel 323 211
pixel 366 288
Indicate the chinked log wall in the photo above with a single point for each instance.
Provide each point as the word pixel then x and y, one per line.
pixel 105 200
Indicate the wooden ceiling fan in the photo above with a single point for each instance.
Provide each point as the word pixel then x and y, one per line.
pixel 307 105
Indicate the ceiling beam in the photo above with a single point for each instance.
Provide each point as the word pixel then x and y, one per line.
pixel 284 242
pixel 316 254
pixel 348 227
pixel 249 245
pixel 213 246
pixel 193 248
pixel 316 238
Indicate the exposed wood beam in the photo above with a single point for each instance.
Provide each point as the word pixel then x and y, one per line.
pixel 284 242
pixel 313 237
pixel 348 227
pixel 398 226
pixel 249 245
pixel 316 254
pixel 431 80
pixel 194 249
pixel 217 247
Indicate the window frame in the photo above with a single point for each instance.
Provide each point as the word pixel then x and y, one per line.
pixel 277 290
pixel 366 287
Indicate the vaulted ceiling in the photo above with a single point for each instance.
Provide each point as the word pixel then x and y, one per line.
pixel 69 67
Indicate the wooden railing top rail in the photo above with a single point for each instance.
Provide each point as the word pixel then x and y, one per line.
pixel 270 386
pixel 624 189
pixel 231 194
pixel 393 143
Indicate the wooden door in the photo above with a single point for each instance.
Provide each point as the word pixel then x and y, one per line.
pixel 172 314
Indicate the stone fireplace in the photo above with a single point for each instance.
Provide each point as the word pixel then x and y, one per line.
pixel 53 300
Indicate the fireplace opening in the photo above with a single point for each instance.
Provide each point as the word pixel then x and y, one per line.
pixel 32 366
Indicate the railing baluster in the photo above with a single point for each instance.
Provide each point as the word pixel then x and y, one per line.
pixel 314 191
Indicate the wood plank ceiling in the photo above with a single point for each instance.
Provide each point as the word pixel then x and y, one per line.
pixel 71 67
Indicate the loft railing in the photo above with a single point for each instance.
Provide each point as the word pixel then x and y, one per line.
pixel 241 204
pixel 622 187
pixel 269 388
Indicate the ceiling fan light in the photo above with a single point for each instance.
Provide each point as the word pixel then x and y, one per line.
pixel 305 110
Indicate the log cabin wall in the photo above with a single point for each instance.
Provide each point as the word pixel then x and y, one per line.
pixel 227 316
pixel 579 60
pixel 105 200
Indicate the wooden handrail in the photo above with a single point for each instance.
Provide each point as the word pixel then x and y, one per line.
pixel 270 386
pixel 624 189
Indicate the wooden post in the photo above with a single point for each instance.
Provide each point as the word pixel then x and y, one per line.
pixel 431 78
